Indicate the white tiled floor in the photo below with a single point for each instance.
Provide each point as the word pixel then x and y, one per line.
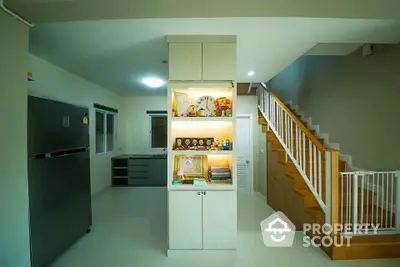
pixel 130 229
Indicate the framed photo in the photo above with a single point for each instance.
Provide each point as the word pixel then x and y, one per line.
pixel 192 166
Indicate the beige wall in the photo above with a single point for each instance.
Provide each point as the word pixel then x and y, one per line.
pixel 14 225
pixel 55 83
pixel 355 100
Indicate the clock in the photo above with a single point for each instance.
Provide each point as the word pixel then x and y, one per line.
pixel 206 106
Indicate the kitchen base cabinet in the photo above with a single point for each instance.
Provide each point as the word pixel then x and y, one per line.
pixel 139 170
pixel 202 220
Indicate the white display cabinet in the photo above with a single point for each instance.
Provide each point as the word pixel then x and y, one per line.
pixel 202 101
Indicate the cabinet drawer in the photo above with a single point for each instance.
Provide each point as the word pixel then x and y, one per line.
pixel 139 174
pixel 139 168
pixel 139 162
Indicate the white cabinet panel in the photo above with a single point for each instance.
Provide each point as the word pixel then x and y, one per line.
pixel 185 61
pixel 185 220
pixel 220 220
pixel 219 61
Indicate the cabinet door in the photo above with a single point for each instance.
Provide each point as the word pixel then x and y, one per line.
pixel 185 223
pixel 219 61
pixel 185 61
pixel 220 220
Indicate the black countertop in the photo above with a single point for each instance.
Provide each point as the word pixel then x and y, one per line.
pixel 142 156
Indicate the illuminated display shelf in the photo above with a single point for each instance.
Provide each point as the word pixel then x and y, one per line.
pixel 201 152
pixel 198 119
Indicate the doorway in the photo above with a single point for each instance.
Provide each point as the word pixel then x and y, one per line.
pixel 244 152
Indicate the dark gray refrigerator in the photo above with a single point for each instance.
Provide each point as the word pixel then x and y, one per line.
pixel 59 177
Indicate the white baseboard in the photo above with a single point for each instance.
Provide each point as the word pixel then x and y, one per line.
pixel 260 196
pixel 194 254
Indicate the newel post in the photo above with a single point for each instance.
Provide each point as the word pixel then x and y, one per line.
pixel 332 188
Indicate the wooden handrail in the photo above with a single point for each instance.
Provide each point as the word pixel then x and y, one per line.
pixel 301 125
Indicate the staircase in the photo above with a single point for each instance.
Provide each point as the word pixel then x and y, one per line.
pixel 356 203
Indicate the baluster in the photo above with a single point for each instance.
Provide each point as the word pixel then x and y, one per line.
pixel 355 202
pixel 319 173
pixel 362 177
pixel 311 163
pixel 347 199
pixel 382 197
pixel 342 176
pixel 387 197
pixel 368 193
pixel 304 152
pixel 392 200
pixel 315 167
pixel 297 144
pixel 373 185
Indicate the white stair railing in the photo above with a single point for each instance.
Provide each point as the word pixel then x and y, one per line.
pixel 369 202
pixel 307 153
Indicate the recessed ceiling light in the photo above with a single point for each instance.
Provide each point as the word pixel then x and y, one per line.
pixel 153 82
pixel 251 73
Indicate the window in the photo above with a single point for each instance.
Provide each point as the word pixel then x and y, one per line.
pixel 158 132
pixel 105 131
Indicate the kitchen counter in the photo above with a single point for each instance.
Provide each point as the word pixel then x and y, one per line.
pixel 139 170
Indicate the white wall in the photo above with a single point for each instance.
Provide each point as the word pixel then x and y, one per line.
pixel 14 201
pixel 137 121
pixel 55 83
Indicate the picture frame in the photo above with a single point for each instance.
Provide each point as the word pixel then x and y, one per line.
pixel 193 166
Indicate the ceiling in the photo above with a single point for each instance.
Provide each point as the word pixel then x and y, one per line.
pixel 117 54
pixel 77 10
pixel 329 49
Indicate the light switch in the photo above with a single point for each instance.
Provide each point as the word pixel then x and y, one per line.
pixel 262 150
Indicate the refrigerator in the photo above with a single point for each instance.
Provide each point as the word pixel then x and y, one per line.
pixel 58 177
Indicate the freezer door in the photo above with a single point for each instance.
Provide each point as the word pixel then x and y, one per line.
pixel 60 204
pixel 56 126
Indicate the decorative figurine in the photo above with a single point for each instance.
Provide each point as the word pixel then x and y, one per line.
pixel 192 111
pixel 180 175
pixel 222 105
pixel 226 144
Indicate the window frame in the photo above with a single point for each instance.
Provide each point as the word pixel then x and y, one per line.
pixel 105 113
pixel 151 148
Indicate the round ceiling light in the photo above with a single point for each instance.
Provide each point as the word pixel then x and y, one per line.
pixel 153 82
pixel 251 73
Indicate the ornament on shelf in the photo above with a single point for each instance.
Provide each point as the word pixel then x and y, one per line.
pixel 223 104
pixel 192 111
pixel 205 106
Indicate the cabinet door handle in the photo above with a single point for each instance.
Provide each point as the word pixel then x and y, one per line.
pixel 199 193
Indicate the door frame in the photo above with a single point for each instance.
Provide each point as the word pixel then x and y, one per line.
pixel 250 117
